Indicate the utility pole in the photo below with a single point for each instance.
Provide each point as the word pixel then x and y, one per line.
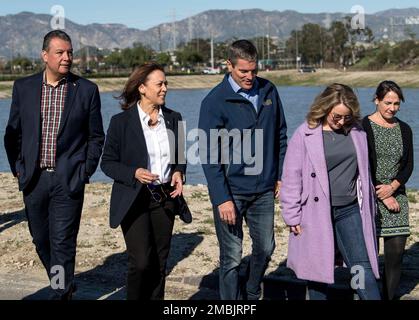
pixel 81 53
pixel 159 32
pixel 13 56
pixel 212 51
pixel 296 49
pixel 269 48
pixel 86 51
pixel 321 49
pixel 87 58
pixel 190 29
pixel 174 30
pixel 391 29
pixel 263 47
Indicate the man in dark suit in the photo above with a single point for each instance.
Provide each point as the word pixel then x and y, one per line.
pixel 54 140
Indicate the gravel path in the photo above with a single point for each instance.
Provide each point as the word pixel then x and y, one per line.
pixel 193 261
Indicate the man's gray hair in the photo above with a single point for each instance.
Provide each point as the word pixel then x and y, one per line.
pixel 242 49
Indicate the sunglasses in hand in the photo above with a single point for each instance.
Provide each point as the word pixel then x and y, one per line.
pixel 157 191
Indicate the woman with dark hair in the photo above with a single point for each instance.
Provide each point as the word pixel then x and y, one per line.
pixel 390 145
pixel 327 196
pixel 141 155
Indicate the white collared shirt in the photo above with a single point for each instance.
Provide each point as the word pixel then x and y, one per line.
pixel 158 146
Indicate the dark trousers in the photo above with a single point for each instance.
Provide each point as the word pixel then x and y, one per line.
pixel 54 220
pixel 393 260
pixel 147 230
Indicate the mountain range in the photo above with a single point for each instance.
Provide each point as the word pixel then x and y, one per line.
pixel 22 33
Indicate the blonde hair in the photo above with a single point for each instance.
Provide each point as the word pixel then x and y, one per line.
pixel 332 96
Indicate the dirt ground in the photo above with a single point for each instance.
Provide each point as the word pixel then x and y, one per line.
pixel 101 258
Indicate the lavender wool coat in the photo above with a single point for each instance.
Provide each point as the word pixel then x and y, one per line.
pixel 305 179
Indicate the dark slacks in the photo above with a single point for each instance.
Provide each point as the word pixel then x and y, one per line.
pixel 147 230
pixel 54 220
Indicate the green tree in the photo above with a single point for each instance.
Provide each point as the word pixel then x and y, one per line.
pixel 339 39
pixel 311 47
pixel 114 60
pixel 382 57
pixel 291 44
pixel 221 52
pixel 404 51
pixel 19 64
pixel 355 36
pixel 130 57
pixel 163 58
pixel 262 45
pixel 409 33
pixel 188 57
pixel 194 52
pixel 369 35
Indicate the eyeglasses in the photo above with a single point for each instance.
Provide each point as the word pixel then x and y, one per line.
pixel 337 117
pixel 157 192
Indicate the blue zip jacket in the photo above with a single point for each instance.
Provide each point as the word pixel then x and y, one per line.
pixel 233 172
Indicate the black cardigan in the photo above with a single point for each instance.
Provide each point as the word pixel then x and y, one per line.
pixel 406 163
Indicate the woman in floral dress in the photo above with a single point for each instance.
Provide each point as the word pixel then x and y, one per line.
pixel 391 160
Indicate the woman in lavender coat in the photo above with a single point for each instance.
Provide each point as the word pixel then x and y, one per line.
pixel 327 196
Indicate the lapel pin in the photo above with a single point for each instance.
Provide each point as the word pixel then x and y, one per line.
pixel 268 102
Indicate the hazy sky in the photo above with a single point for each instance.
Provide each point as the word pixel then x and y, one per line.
pixel 145 14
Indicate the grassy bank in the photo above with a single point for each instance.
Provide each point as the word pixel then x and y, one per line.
pixel 406 79
pixel 6 89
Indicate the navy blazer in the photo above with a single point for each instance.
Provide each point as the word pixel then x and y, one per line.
pixel 126 150
pixel 80 137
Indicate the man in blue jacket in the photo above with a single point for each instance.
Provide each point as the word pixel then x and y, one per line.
pixel 244 151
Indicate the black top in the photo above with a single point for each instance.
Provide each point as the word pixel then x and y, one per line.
pixel 406 163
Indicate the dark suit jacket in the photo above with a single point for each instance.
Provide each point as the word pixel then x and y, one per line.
pixel 126 150
pixel 80 136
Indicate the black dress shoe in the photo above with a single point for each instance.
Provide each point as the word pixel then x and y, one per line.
pixel 69 295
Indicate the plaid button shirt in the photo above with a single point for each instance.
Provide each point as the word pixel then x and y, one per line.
pixel 52 107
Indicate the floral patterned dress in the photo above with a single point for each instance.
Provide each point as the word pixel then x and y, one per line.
pixel 389 149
